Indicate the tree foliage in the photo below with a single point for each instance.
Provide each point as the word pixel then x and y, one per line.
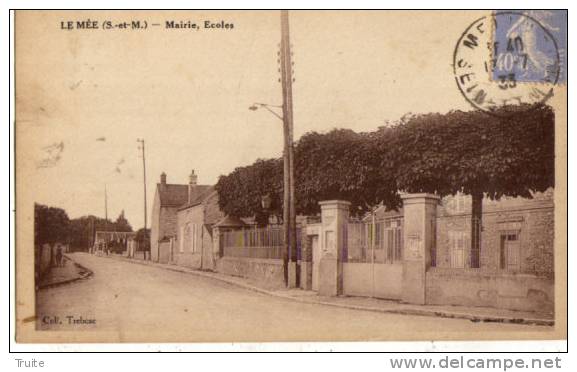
pixel 122 224
pixel 340 164
pixel 142 237
pixel 473 152
pixel 241 192
pixel 511 153
pixel 82 229
pixel 50 225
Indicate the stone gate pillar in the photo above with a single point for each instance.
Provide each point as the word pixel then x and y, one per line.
pixel 306 259
pixel 335 217
pixel 420 212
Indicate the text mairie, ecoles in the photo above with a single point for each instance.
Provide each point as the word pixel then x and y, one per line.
pixel 195 26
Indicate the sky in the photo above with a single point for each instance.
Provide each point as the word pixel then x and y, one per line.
pixel 84 97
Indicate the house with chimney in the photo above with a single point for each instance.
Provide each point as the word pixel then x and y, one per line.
pixel 195 222
pixel 168 199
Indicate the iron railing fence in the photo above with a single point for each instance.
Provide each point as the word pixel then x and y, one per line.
pixel 257 242
pixel 378 242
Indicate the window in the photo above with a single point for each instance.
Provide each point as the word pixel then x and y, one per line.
pixel 458 251
pixel 456 203
pixel 460 203
pixel 181 242
pixel 510 253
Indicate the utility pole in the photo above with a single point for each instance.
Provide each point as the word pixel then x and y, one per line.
pixel 289 214
pixel 105 208
pixel 141 141
pixel 105 217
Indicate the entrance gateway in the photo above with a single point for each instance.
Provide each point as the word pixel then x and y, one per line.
pixel 373 264
pixel 386 258
pixel 362 258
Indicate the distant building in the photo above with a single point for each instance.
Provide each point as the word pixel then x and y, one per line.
pixel 176 210
pixel 194 236
pixel 120 242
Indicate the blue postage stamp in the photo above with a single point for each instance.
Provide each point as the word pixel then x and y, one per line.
pixel 530 46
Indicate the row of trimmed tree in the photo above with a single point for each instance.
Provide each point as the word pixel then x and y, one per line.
pixel 469 152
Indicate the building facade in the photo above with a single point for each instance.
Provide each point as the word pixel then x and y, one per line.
pixel 182 221
pixel 195 231
pixel 168 198
pixel 517 234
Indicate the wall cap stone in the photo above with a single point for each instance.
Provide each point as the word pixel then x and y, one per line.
pixel 270 261
pixel 407 196
pixel 335 203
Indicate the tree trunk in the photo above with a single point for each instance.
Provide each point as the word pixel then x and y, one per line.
pixel 476 228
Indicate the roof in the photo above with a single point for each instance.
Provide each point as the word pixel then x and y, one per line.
pixel 230 221
pixel 199 193
pixel 172 195
pixel 383 212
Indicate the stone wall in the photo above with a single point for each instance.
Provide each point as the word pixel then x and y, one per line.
pixel 533 218
pixel 268 272
pixel 474 287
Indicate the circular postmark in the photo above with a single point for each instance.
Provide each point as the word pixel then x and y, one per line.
pixel 506 59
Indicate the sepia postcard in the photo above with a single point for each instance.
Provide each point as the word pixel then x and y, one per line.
pixel 260 176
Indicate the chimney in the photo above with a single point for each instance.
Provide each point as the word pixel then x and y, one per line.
pixel 163 179
pixel 191 185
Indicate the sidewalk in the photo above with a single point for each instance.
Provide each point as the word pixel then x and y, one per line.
pixel 68 273
pixel 474 314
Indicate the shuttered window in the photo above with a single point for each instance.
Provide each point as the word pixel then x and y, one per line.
pixel 510 255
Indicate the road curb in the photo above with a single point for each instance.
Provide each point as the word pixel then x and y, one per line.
pixel 400 311
pixel 88 274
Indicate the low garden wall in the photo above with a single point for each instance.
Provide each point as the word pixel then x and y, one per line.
pixel 188 259
pixel 267 271
pixel 469 287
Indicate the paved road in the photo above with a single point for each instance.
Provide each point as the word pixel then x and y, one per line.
pixel 153 304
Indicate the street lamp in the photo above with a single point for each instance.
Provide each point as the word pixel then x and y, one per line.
pixel 265 202
pixel 266 106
